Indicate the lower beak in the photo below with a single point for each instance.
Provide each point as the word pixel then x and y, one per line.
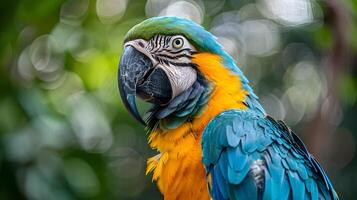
pixel 137 75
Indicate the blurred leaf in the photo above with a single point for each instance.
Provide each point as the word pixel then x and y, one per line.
pixel 348 89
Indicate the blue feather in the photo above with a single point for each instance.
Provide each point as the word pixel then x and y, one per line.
pixel 234 140
pixel 297 185
pixel 237 159
pixel 236 177
pixel 246 190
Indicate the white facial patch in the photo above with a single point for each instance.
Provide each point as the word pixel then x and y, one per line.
pixel 173 55
pixel 181 78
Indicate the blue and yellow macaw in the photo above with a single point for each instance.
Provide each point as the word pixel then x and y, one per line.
pixel 215 140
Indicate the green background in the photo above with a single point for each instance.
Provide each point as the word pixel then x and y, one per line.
pixel 64 133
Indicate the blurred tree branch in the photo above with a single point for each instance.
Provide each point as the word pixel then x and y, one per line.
pixel 321 128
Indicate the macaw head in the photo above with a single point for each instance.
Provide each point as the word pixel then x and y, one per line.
pixel 176 65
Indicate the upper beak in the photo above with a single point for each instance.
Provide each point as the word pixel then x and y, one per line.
pixel 137 75
pixel 132 67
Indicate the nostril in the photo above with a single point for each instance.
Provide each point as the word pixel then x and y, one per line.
pixel 141 44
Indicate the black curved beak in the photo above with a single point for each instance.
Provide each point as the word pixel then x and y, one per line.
pixel 132 67
pixel 137 75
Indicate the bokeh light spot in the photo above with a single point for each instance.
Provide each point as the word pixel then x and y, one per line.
pixel 110 11
pixel 186 9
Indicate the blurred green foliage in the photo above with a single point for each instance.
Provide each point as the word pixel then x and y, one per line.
pixel 64 133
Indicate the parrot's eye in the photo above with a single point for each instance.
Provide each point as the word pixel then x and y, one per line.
pixel 177 43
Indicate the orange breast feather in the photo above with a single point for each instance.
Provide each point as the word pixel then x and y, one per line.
pixel 178 169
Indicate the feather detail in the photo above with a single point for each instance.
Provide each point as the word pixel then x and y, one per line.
pixel 290 172
pixel 152 163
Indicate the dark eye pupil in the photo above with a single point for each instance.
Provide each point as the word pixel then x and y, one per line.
pixel 177 42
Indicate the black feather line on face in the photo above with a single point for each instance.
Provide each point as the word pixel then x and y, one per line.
pixel 179 51
pixel 167 41
pixel 175 56
pixel 151 45
pixel 182 64
pixel 160 42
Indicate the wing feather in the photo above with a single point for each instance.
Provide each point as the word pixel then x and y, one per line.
pixel 235 140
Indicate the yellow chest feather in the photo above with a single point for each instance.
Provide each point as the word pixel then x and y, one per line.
pixel 178 169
